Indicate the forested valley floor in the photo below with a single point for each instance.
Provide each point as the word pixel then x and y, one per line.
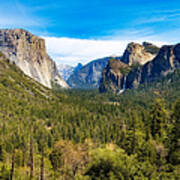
pixel 85 135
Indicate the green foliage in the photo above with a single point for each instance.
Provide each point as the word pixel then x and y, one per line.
pixel 4 173
pixel 109 164
pixel 158 118
pixel 175 135
pixel 70 130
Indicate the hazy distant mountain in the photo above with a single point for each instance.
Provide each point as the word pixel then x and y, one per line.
pixel 79 66
pixel 66 70
pixel 88 76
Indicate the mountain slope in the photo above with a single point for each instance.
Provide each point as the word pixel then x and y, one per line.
pixel 113 76
pixel 88 77
pixel 72 134
pixel 135 72
pixel 14 84
pixel 167 61
pixel 66 70
pixel 29 53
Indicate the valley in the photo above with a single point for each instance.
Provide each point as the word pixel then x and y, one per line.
pixel 89 90
pixel 118 117
pixel 81 134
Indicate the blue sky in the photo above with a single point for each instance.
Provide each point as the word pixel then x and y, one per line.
pixel 71 25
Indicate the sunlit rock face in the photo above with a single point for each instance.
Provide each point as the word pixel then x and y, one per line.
pixel 114 77
pixel 167 60
pixel 137 53
pixel 115 74
pixel 29 53
pixel 140 64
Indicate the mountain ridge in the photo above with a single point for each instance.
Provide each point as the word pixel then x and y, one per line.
pixel 66 70
pixel 29 53
pixel 166 60
pixel 88 76
pixel 70 126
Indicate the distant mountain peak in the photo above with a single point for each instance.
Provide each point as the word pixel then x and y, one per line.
pixel 66 70
pixel 79 66
pixel 89 75
pixel 137 53
pixel 166 60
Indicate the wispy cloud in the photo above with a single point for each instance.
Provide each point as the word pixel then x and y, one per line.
pixel 12 22
pixel 130 34
pixel 160 17
pixel 151 20
pixel 167 11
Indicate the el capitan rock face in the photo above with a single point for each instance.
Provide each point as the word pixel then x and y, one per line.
pixel 29 53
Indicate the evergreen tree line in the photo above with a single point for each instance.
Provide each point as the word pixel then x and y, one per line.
pixel 86 135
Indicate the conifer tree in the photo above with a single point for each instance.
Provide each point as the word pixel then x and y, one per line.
pixel 158 118
pixel 175 135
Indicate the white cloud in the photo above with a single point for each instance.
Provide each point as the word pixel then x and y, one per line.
pixel 71 51
pixel 152 20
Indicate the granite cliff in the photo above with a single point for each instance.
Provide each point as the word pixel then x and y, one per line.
pixel 28 52
pixel 167 61
pixel 113 76
pixel 117 75
pixel 88 76
pixel 137 53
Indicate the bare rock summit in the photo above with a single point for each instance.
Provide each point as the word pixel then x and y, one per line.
pixel 28 52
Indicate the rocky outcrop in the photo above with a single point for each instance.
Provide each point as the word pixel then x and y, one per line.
pixel 79 66
pixel 29 53
pixel 114 76
pixel 137 53
pixel 166 61
pixel 88 76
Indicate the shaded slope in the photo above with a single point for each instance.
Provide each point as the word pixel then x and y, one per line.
pixel 88 77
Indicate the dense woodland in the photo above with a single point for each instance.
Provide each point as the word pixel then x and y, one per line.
pixel 85 135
